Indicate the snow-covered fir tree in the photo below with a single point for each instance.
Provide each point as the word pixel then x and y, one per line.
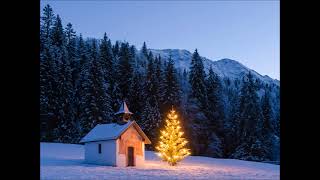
pixel 82 53
pixel 95 101
pixel 231 123
pixel 106 59
pixel 171 89
pixel 215 114
pixel 267 131
pixel 48 75
pixel 215 111
pixel 71 52
pixel 152 86
pixel 46 23
pixel 159 78
pixel 150 120
pixel 197 81
pixel 150 116
pixel 250 120
pixel 65 129
pixel 136 95
pixel 116 49
pixel 124 71
pixel 197 105
pixel 144 49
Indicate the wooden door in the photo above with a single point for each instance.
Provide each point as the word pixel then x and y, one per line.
pixel 130 156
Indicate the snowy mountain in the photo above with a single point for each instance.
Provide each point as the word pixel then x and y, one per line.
pixel 66 161
pixel 225 68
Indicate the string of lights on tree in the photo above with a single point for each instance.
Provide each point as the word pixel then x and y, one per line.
pixel 171 146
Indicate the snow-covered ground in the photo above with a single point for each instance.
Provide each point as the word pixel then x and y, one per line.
pixel 66 161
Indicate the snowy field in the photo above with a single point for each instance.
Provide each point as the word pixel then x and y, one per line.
pixel 66 161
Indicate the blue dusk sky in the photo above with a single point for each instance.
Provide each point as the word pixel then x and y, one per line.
pixel 246 31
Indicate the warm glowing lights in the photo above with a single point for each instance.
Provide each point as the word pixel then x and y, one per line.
pixel 171 145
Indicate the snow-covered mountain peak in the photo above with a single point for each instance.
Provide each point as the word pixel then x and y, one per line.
pixel 181 54
pixel 225 68
pixel 228 61
pixel 231 68
pixel 181 57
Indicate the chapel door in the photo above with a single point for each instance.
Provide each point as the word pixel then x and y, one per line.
pixel 130 156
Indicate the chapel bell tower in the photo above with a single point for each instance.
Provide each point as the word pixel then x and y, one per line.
pixel 123 114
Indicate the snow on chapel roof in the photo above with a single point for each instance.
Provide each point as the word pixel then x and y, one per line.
pixel 111 131
pixel 123 109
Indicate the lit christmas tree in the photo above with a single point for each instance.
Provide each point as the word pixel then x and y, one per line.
pixel 172 145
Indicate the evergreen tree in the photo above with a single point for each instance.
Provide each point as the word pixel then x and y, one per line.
pixel 215 147
pixel 152 86
pixel 232 124
pixel 48 96
pixel 197 80
pixel 46 66
pixel 171 89
pixel 251 151
pixel 116 49
pixel 116 94
pixel 171 147
pixel 66 125
pixel 160 75
pixel 44 84
pixel 48 75
pixel 65 112
pixel 150 120
pixel 214 113
pixel 144 50
pixel 72 53
pixel 197 105
pixel 82 53
pixel 250 118
pixel 250 112
pixel 58 38
pixel 58 53
pixel 267 130
pixel 184 84
pixel 133 52
pixel 95 102
pixel 108 65
pixel 124 71
pixel 267 112
pixel 82 68
pixel 46 23
pixel 150 116
pixel 106 58
pixel 136 96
